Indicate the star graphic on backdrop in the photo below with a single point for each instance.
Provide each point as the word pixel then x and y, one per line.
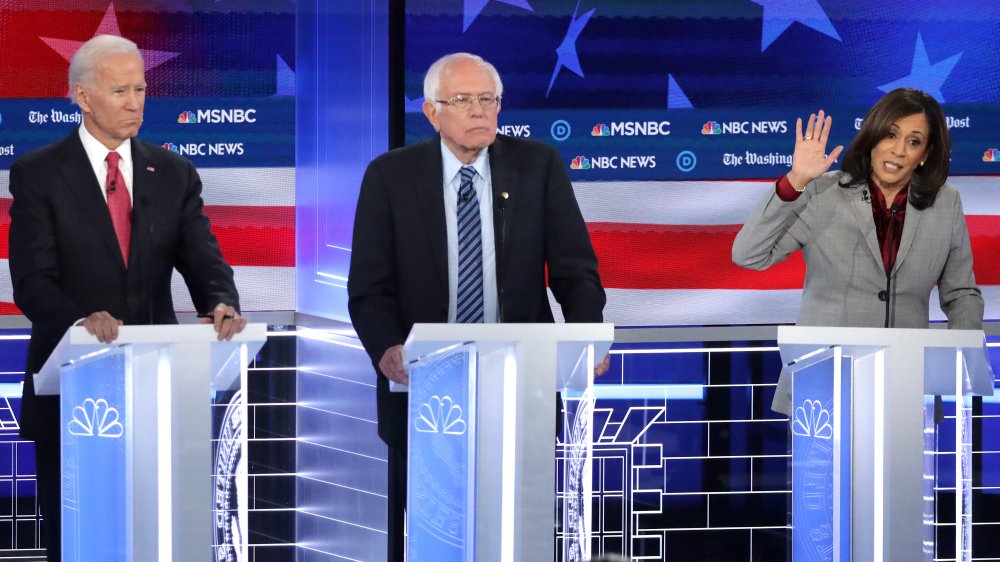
pixel 473 7
pixel 924 75
pixel 108 26
pixel 780 14
pixel 567 49
pixel 414 105
pixel 284 79
pixel 676 98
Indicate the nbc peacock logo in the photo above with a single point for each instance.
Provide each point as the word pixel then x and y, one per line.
pixel 991 155
pixel 187 117
pixel 600 130
pixel 711 128
pixel 580 163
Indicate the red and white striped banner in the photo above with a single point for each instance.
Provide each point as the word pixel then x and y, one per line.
pixel 665 252
pixel 253 216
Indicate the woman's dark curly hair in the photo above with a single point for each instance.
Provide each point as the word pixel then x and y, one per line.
pixel 903 102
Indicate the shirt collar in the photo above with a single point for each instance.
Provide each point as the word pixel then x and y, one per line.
pixel 879 203
pixel 452 165
pixel 97 152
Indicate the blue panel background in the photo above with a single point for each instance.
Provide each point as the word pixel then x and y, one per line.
pixel 342 118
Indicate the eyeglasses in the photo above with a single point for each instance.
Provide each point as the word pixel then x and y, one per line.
pixel 463 102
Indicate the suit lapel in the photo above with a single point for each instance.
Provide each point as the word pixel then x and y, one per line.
pixel 429 187
pixel 78 175
pixel 144 181
pixel 909 232
pixel 503 176
pixel 862 210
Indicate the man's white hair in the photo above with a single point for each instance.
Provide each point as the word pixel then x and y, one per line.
pixel 432 81
pixel 81 68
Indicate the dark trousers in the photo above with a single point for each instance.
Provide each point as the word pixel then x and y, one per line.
pixel 397 505
pixel 49 492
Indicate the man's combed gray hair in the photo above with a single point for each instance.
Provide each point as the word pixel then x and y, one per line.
pixel 81 68
pixel 432 81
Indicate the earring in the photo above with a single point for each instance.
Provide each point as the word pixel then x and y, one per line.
pixel 922 163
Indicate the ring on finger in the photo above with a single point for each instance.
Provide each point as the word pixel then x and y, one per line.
pixel 807 137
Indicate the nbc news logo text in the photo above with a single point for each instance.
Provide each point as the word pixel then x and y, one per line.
pixel 744 127
pixel 206 148
pixel 631 129
pixel 523 131
pixel 218 116
pixel 612 162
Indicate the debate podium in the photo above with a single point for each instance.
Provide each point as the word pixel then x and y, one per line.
pixel 137 438
pixel 864 435
pixel 482 420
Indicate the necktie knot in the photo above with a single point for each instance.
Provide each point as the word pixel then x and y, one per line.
pixel 466 189
pixel 112 159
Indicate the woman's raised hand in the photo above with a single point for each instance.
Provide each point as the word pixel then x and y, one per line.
pixel 810 160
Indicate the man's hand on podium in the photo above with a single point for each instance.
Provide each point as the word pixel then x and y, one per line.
pixel 391 365
pixel 602 367
pixel 227 321
pixel 102 325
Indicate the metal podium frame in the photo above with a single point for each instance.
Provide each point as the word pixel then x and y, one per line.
pixel 515 369
pixel 878 457
pixel 158 433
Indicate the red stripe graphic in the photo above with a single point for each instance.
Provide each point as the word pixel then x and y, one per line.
pixel 248 235
pixel 655 256
pixel 632 256
pixel 8 308
pixel 255 236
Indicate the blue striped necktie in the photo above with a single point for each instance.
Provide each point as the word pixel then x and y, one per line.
pixel 469 303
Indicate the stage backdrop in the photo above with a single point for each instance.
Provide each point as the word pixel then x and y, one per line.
pixel 221 93
pixel 675 118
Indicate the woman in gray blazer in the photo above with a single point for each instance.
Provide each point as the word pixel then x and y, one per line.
pixel 877 235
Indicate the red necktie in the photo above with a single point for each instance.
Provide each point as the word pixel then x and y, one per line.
pixel 119 203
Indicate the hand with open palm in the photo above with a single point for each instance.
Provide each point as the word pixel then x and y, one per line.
pixel 810 160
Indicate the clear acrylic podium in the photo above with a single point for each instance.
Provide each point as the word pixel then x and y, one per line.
pixel 136 438
pixel 482 439
pixel 863 438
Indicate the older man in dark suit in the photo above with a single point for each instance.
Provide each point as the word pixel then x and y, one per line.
pixel 461 228
pixel 98 223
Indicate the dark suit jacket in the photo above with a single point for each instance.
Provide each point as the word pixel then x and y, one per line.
pixel 399 259
pixel 65 262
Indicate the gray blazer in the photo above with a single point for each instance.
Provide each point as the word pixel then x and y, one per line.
pixel 844 273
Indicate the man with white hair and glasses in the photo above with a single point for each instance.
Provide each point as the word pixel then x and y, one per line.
pixel 461 228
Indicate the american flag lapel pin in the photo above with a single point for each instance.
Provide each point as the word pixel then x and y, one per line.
pixel 150 169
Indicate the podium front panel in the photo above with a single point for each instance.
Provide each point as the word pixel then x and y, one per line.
pixel 96 452
pixel 821 459
pixel 441 480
